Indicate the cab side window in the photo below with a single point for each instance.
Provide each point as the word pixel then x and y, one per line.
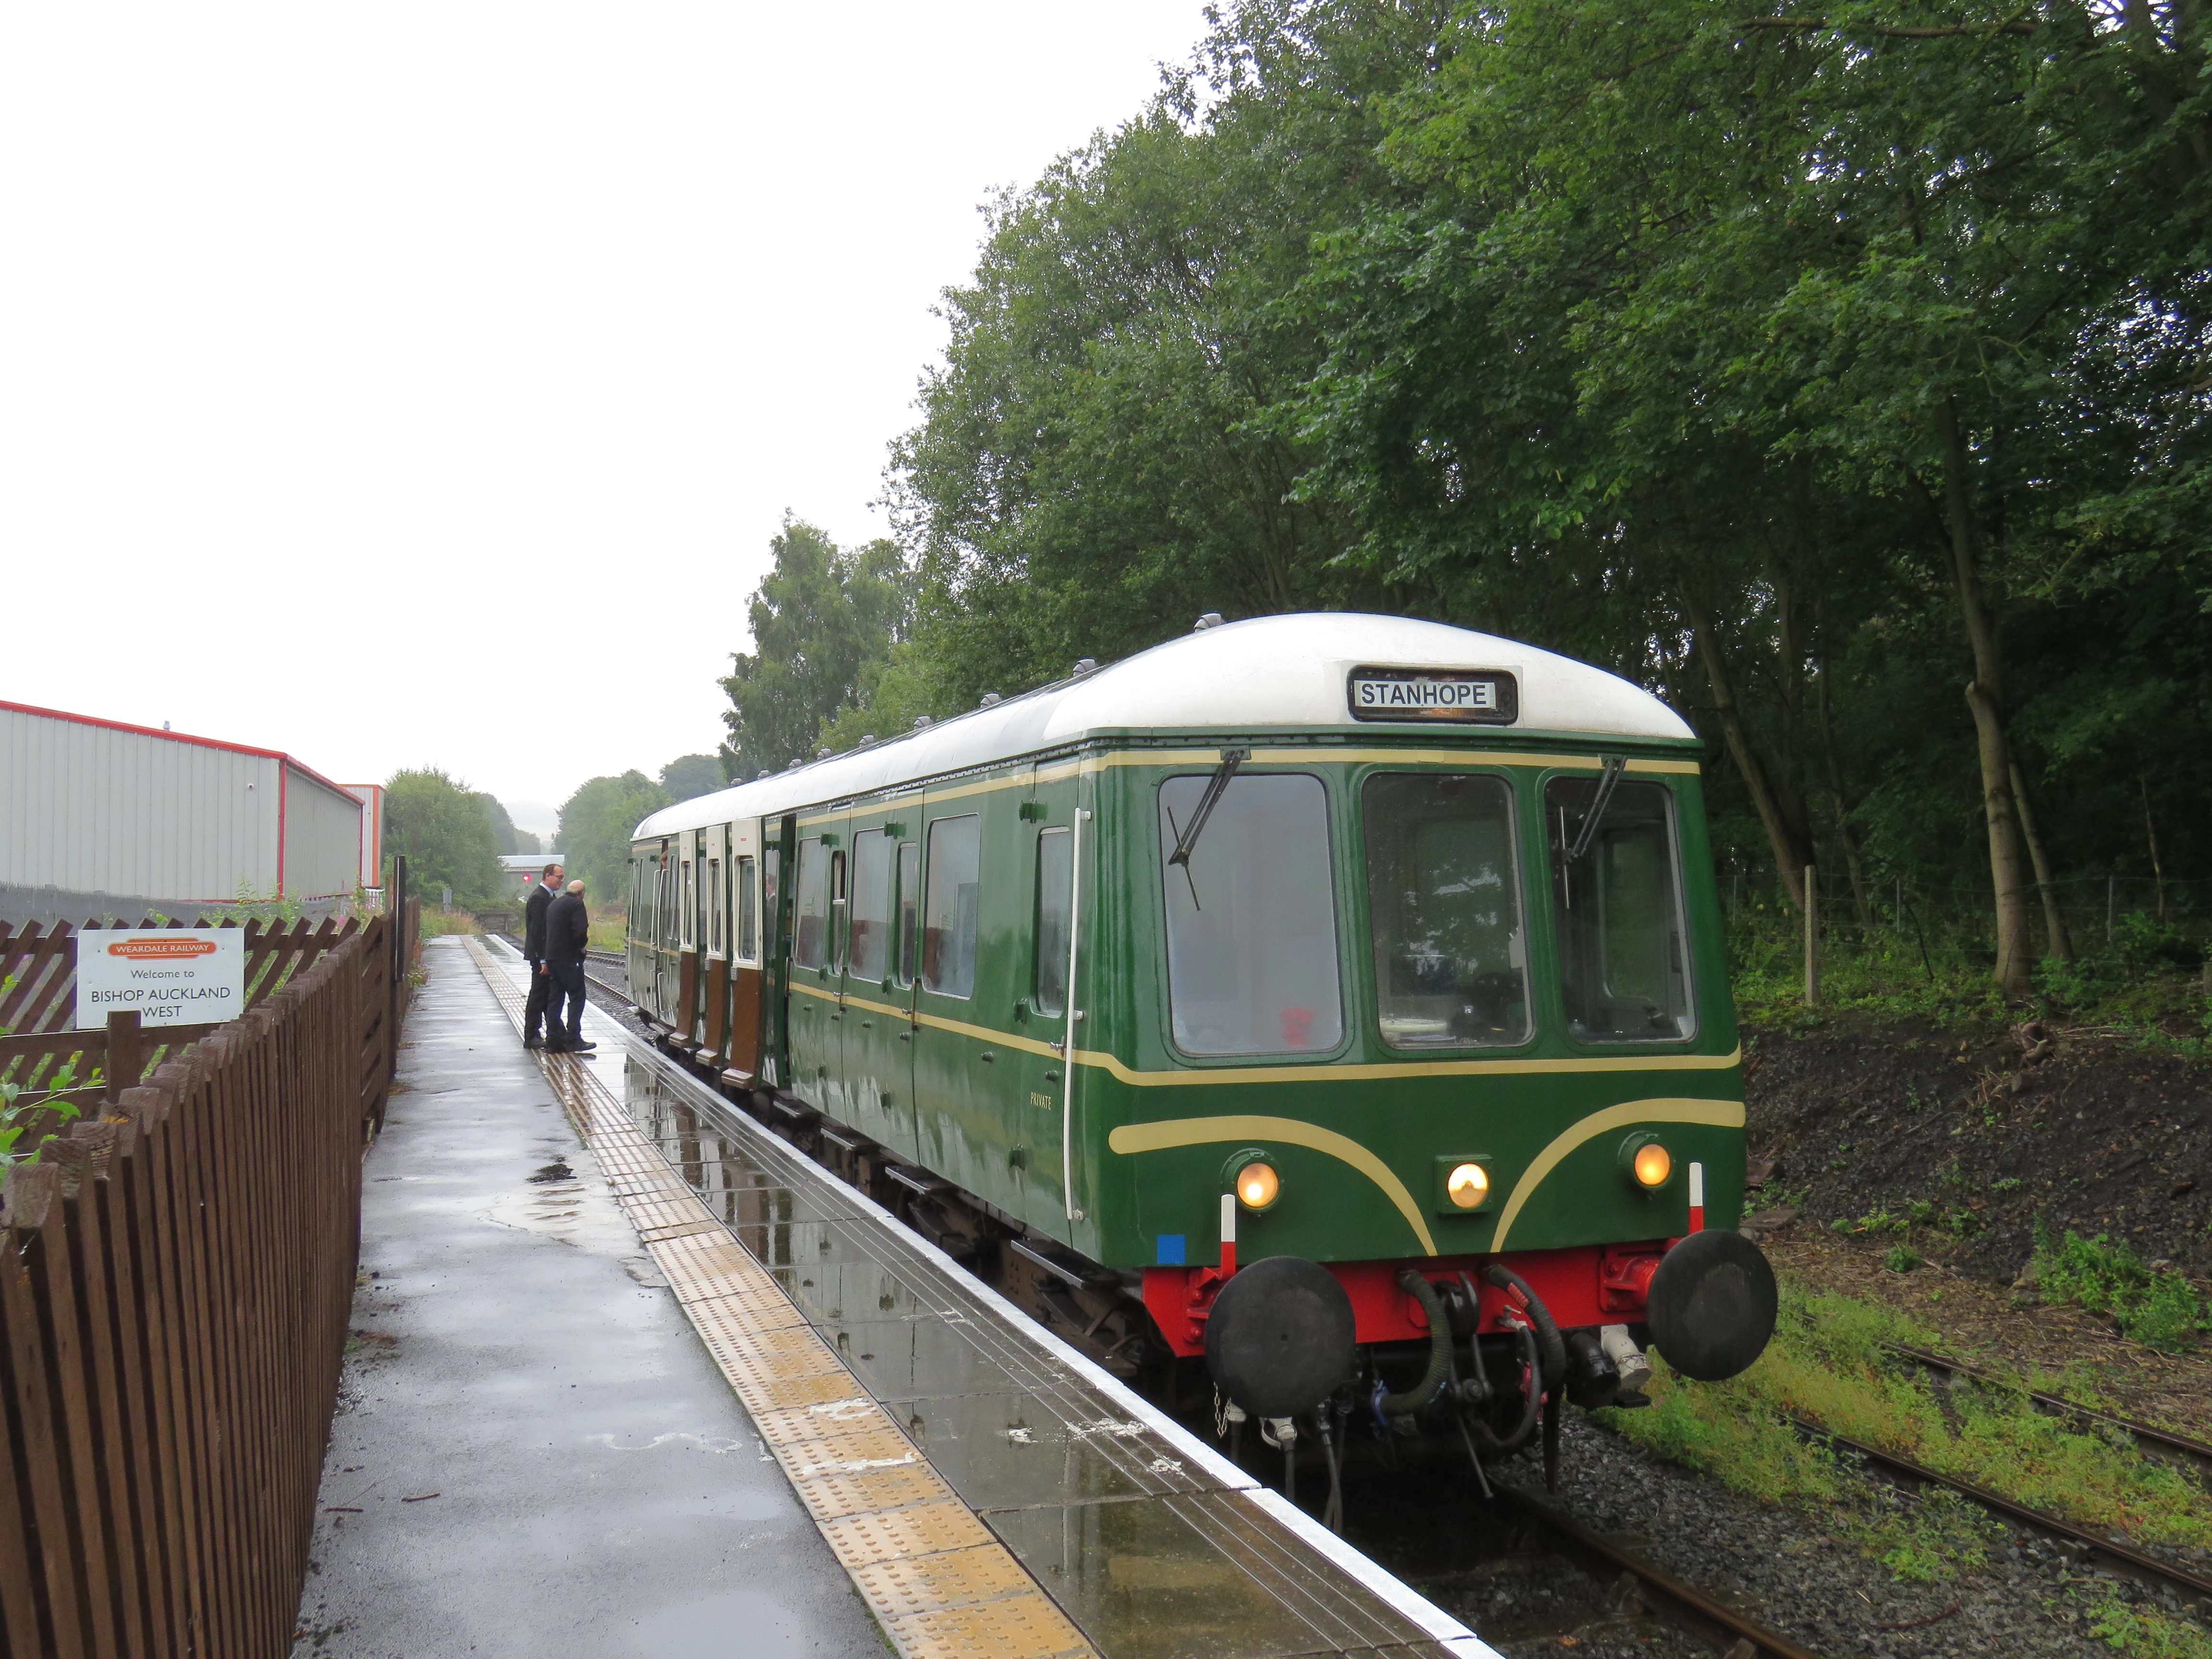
pixel 910 910
pixel 748 914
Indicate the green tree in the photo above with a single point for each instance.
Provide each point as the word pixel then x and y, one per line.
pixel 824 621
pixel 504 833
pixel 690 775
pixel 596 824
pixel 442 831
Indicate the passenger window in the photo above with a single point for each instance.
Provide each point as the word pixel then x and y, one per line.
pixel 1252 945
pixel 1055 871
pixel 715 906
pixel 748 914
pixel 872 906
pixel 949 906
pixel 1624 950
pixel 810 940
pixel 1444 903
pixel 910 909
pixel 837 911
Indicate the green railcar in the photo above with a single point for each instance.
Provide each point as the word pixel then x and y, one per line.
pixel 1383 951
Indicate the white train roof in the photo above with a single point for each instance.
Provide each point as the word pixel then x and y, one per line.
pixel 1269 673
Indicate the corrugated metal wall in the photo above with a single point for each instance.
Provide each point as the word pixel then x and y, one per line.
pixel 322 837
pixel 90 808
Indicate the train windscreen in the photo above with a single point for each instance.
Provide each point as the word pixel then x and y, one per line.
pixel 1251 913
pixel 1616 893
pixel 1444 903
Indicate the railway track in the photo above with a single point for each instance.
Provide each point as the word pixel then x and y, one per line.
pixel 2159 1443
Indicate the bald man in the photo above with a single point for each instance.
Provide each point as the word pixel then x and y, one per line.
pixel 567 929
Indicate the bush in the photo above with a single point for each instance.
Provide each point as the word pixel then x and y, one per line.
pixel 2157 1307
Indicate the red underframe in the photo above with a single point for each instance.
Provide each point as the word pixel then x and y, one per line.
pixel 1587 1284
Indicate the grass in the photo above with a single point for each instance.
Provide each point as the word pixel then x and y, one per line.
pixel 609 927
pixel 2145 983
pixel 1827 1365
pixel 436 924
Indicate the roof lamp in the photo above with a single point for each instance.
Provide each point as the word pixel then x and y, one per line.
pixel 1468 1185
pixel 1257 1185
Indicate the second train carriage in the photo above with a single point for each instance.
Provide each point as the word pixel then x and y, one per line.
pixel 1351 940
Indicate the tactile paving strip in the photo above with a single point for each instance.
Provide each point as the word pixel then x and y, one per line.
pixel 940 1582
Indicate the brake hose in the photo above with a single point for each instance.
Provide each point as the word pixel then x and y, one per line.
pixel 1440 1353
pixel 1548 1331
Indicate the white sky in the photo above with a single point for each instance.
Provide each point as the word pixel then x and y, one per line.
pixel 421 384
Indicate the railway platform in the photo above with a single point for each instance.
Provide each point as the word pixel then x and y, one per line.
pixel 973 1487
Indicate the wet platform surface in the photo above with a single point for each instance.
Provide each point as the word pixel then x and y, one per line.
pixel 1154 1545
pixel 534 1455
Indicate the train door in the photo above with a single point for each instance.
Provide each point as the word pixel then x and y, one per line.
pixel 664 953
pixel 817 908
pixel 715 940
pixel 687 936
pixel 779 859
pixel 1047 850
pixel 959 1077
pixel 877 1012
pixel 746 954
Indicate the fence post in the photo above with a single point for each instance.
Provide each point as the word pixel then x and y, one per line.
pixel 1812 940
pixel 126 1055
pixel 2111 904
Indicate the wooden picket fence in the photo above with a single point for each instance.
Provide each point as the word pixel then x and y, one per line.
pixel 176 1272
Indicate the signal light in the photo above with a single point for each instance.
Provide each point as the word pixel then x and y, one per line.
pixel 1468 1185
pixel 1257 1186
pixel 1652 1165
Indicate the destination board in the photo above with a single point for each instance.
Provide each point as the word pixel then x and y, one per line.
pixel 1486 696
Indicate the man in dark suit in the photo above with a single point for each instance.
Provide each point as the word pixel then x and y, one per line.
pixel 568 929
pixel 533 952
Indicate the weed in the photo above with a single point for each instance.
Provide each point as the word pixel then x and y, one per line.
pixel 2157 1307
pixel 1901 1258
pixel 2145 1632
pixel 2007 1184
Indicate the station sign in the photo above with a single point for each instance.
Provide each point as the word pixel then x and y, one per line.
pixel 1465 697
pixel 170 976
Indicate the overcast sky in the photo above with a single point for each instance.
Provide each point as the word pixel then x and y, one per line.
pixel 416 384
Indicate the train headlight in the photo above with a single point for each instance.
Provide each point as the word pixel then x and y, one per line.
pixel 1468 1185
pixel 1647 1163
pixel 1258 1186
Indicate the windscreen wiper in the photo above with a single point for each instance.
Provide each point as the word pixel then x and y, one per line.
pixel 1186 839
pixel 1614 766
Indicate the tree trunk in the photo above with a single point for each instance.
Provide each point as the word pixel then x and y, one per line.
pixel 1860 904
pixel 1790 854
pixel 2054 925
pixel 1986 698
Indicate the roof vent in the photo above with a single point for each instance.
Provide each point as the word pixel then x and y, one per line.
pixel 1211 619
pixel 990 701
pixel 1085 666
pixel 867 738
pixel 795 764
pixel 821 753
pixel 921 721
pixel 761 773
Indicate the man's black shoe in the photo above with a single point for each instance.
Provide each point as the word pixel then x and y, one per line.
pixel 533 1043
pixel 582 1048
